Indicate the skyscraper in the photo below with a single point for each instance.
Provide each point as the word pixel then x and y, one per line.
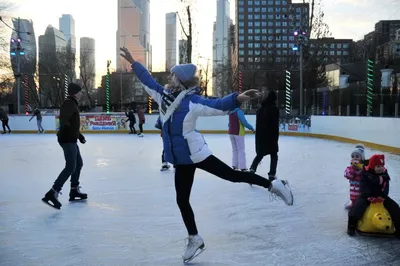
pixel 28 60
pixel 52 59
pixel 87 64
pixel 264 32
pixel 171 41
pixel 134 32
pixel 220 44
pixel 67 27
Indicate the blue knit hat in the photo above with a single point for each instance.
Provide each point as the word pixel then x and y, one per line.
pixel 184 72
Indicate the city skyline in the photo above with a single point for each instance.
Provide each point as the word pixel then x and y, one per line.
pixel 339 14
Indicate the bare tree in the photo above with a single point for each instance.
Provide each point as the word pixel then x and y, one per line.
pixel 87 73
pixel 186 22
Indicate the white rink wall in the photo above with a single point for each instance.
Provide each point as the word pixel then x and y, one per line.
pixel 382 131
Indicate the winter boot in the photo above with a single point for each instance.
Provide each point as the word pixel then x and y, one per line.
pixel 75 192
pixel 52 196
pixel 194 247
pixel 351 226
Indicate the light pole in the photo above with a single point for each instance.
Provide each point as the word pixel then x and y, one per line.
pixel 17 52
pixel 302 36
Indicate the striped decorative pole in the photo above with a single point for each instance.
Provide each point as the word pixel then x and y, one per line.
pixel 65 86
pixel 288 104
pixel 324 96
pixel 26 94
pixel 240 81
pixel 370 85
pixel 108 87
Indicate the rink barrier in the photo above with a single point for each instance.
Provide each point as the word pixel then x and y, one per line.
pixel 375 146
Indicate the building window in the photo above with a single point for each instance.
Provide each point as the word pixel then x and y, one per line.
pixel 264 10
pixel 241 24
pixel 284 2
pixel 339 52
pixel 257 10
pixel 332 46
pixel 250 9
pixel 257 45
pixel 257 16
pixel 270 24
pixel 241 9
pixel 339 45
pixel 241 38
pixel 257 52
pixel 250 38
pixel 345 53
pixel 241 59
pixel 278 2
pixel 270 38
pixel 270 16
pixel 264 31
pixel 241 31
pixel 257 3
pixel 257 23
pixel 264 2
pixel 250 3
pixel 250 59
pixel 278 23
pixel 270 9
pixel 264 38
pixel 331 52
pixel 250 52
pixel 241 17
pixel 241 2
pixel 263 16
pixel 270 2
pixel 291 38
pixel 264 24
pixel 250 16
pixel 250 45
pixel 345 45
pixel 250 31
pixel 250 23
pixel 278 30
pixel 278 9
pixel 284 9
pixel 284 45
pixel 257 37
pixel 241 45
pixel 284 24
pixel 284 38
pixel 270 31
pixel 241 52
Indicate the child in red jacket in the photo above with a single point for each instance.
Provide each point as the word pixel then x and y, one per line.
pixel 374 183
pixel 353 174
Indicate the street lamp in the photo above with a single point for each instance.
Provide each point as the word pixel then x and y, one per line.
pixel 301 40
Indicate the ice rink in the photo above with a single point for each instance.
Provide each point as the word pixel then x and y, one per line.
pixel 131 217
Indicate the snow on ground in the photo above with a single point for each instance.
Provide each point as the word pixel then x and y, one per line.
pixel 131 217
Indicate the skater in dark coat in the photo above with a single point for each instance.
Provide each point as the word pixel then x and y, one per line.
pixel 4 121
pixel 132 121
pixel 267 134
pixel 67 135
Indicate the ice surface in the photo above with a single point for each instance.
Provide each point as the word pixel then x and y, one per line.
pixel 131 217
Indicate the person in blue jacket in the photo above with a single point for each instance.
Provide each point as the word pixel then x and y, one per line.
pixel 180 107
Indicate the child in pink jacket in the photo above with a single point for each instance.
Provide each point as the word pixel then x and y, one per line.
pixel 353 174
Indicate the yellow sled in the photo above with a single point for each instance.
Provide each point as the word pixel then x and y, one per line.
pixel 376 220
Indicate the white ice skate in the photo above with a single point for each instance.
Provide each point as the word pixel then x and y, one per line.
pixel 194 247
pixel 281 189
pixel 165 166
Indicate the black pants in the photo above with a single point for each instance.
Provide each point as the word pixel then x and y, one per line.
pixel 184 176
pixel 73 166
pixel 132 127
pixel 162 157
pixel 141 127
pixel 5 124
pixel 361 205
pixel 272 167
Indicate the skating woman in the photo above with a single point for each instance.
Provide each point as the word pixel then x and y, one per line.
pixel 180 107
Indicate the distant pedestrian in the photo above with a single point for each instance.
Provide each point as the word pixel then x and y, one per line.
pixel 4 121
pixel 38 115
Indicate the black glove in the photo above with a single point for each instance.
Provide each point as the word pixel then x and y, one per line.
pixel 82 139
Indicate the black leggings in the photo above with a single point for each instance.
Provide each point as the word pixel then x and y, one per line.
pixel 5 124
pixel 184 176
pixel 272 167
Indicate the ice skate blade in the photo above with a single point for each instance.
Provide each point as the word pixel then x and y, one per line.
pixel 46 202
pixel 198 252
pixel 78 199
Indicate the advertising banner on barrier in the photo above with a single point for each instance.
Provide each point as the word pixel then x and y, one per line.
pixel 100 122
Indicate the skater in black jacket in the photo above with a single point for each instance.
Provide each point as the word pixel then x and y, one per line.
pixel 132 121
pixel 68 134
